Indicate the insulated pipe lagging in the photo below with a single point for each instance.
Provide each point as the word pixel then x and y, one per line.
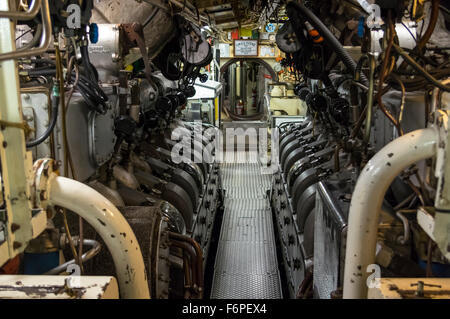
pixel 367 199
pixel 112 227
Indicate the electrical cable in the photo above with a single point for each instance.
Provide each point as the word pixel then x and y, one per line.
pixel 403 100
pixel 383 71
pixel 344 56
pixel 54 118
pixel 91 92
pixel 434 15
pixel 420 69
pixel 86 62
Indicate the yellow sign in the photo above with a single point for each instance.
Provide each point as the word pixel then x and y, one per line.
pixel 243 32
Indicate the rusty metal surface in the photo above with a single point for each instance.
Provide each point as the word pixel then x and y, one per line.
pixel 58 287
pixel 157 33
pixel 411 288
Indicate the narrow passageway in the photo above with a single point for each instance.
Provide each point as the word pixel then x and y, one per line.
pixel 246 263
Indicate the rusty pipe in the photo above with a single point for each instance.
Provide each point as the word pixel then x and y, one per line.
pixel 367 199
pixel 191 252
pixel 187 274
pixel 110 224
pixel 198 251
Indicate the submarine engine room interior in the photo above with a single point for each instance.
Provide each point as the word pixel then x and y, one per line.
pixel 221 149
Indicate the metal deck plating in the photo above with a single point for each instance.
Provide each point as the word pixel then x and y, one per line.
pixel 246 263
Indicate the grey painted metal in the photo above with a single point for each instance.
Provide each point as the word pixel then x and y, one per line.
pixel 246 263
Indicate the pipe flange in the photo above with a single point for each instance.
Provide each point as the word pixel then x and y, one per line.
pixel 44 171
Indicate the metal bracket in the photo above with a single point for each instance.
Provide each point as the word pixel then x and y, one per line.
pixel 442 201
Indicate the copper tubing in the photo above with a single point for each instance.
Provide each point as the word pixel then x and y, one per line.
pixel 199 254
pixel 187 276
pixel 427 75
pixel 431 25
pixel 359 123
pixel 23 15
pixel 402 105
pixel 383 72
pixel 191 252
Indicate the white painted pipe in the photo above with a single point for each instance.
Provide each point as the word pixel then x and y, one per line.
pixel 436 98
pixel 114 229
pixel 367 199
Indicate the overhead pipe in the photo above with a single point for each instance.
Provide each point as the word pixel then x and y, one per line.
pixel 112 227
pixel 45 38
pixel 436 96
pixel 23 15
pixel 368 197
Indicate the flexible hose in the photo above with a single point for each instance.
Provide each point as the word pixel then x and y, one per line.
pixel 91 92
pixel 329 37
pixel 420 69
pixel 431 25
pixel 89 85
pixel 91 74
pixel 54 118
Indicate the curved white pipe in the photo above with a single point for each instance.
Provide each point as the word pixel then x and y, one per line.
pixel 368 197
pixel 111 226
pixel 436 98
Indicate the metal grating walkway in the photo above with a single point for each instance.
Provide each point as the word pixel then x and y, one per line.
pixel 246 263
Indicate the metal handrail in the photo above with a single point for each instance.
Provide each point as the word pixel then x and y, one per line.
pixel 46 34
pixel 23 15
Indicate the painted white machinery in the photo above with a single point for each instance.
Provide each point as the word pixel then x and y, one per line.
pixel 110 189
